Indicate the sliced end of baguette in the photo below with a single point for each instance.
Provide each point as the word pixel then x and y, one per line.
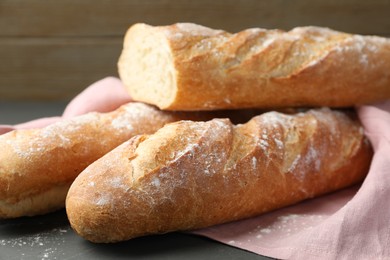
pixel 146 67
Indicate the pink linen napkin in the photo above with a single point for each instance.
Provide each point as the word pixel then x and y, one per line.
pixel 350 224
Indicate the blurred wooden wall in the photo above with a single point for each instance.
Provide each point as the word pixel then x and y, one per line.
pixel 51 50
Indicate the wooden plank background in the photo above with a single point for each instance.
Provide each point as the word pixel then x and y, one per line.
pixel 51 50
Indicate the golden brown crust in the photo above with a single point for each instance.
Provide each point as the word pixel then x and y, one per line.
pixel 195 174
pixel 37 166
pixel 191 67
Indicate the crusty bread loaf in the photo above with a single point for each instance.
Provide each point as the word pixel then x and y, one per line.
pixel 190 67
pixel 196 174
pixel 37 166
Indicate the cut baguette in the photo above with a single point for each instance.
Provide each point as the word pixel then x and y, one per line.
pixel 190 67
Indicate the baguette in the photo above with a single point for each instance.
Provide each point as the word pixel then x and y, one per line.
pixel 37 166
pixel 190 67
pixel 190 175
